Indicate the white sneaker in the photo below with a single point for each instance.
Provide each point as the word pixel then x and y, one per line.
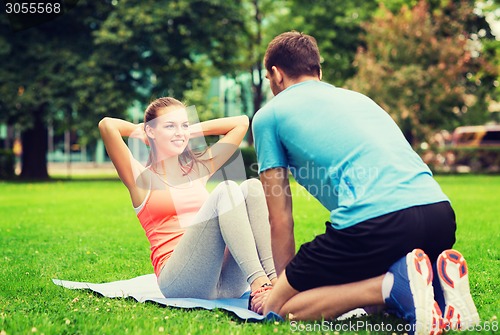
pixel 460 311
pixel 412 294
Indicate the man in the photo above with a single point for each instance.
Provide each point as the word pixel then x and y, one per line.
pixel 385 207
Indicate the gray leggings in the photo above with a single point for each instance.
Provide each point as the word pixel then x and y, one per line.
pixel 202 267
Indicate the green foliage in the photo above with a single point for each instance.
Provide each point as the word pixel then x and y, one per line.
pixel 264 19
pixel 207 108
pixel 422 68
pixel 491 47
pixel 45 75
pixel 395 5
pixel 337 27
pixel 100 57
pixel 163 43
pixel 40 65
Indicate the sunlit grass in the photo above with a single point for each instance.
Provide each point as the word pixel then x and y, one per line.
pixel 86 230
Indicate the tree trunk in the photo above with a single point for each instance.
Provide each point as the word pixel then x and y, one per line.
pixel 35 145
pixel 257 102
pixel 256 86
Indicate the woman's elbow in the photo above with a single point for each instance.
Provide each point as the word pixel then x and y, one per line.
pixel 103 123
pixel 245 121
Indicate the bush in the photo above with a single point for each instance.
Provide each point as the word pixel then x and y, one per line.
pixel 463 159
pixel 7 164
pixel 478 159
pixel 250 161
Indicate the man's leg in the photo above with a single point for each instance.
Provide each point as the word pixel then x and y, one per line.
pixel 326 302
pixel 412 293
pixel 406 289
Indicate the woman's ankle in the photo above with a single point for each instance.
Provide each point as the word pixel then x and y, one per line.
pixel 259 282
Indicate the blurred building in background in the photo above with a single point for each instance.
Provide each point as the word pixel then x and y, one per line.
pixel 227 97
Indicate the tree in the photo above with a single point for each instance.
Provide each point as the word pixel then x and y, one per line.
pixel 165 44
pixel 256 57
pixel 38 68
pixel 97 59
pixel 262 24
pixel 335 24
pixel 159 48
pixel 422 67
pixel 491 48
pixel 337 27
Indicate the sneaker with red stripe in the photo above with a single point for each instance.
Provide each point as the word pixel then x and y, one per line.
pixel 412 294
pixel 460 311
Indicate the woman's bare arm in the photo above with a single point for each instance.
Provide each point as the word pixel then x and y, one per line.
pixel 112 130
pixel 233 128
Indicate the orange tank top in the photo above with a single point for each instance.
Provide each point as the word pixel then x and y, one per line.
pixel 164 214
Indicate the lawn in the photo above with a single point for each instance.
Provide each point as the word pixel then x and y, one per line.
pixel 86 230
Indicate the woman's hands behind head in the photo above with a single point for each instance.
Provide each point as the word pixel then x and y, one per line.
pixel 140 134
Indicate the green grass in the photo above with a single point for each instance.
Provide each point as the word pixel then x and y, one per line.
pixel 86 230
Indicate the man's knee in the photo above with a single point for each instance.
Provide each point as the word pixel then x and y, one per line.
pixel 281 293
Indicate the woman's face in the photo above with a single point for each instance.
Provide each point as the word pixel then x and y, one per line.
pixel 171 133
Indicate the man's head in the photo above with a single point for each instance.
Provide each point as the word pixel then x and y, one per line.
pixel 291 55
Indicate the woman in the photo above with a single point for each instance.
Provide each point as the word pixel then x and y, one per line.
pixel 226 244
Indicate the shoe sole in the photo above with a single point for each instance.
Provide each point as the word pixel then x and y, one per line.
pixel 460 311
pixel 428 318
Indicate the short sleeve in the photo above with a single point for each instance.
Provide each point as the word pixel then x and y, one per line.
pixel 269 148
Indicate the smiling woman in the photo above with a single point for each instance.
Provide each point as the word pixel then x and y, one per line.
pixel 166 126
pixel 202 245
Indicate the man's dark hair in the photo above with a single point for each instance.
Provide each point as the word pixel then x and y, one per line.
pixel 297 54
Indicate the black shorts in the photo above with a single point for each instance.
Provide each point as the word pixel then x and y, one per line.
pixel 369 248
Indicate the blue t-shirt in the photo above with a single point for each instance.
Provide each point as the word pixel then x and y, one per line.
pixel 344 150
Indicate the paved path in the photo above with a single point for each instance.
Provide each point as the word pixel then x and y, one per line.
pixel 75 169
pixel 79 169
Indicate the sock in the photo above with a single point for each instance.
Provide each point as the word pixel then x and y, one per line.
pixel 387 284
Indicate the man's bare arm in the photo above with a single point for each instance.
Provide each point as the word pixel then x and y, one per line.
pixel 279 202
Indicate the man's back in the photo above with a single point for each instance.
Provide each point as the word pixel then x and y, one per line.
pixel 345 150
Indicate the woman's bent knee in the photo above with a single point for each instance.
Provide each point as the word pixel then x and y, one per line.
pixel 252 187
pixel 227 186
